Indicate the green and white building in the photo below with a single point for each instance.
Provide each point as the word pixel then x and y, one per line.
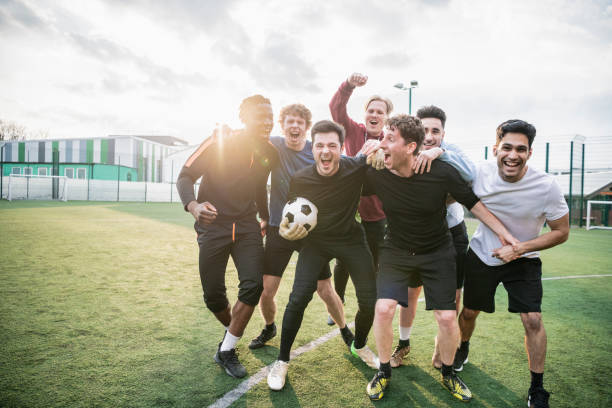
pixel 116 157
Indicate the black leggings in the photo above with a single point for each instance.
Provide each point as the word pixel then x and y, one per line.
pixel 313 256
pixel 375 234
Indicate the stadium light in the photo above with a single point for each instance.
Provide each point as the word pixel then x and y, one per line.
pixel 401 86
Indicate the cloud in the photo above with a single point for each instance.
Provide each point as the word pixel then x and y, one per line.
pixel 16 13
pixel 391 59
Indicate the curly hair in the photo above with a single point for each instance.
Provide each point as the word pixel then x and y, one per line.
pixel 410 129
pixel 432 111
pixel 248 104
pixel 326 126
pixel 515 126
pixel 296 109
pixel 387 102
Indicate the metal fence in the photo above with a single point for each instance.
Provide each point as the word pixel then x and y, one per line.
pixel 582 167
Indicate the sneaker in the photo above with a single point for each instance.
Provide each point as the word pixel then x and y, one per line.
pixel 457 388
pixel 277 375
pixel 229 361
pixel 398 355
pixel 366 355
pixel 263 338
pixel 376 388
pixel 330 321
pixel 538 398
pixel 461 358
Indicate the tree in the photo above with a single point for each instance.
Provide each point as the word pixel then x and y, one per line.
pixel 11 131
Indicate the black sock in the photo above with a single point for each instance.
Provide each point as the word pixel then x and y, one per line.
pixel 386 369
pixel 347 335
pixel 446 370
pixel 465 346
pixel 270 327
pixel 404 343
pixel 537 380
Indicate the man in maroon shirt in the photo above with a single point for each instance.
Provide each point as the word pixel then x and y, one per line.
pixel 377 109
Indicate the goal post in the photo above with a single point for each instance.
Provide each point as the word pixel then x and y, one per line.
pixel 37 187
pixel 588 216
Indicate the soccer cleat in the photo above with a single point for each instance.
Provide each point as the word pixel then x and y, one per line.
pixel 229 361
pixel 457 388
pixel 538 398
pixel 330 321
pixel 277 375
pixel 398 355
pixel 376 388
pixel 263 338
pixel 461 358
pixel 366 355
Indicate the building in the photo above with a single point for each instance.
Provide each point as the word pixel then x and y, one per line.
pixel 115 157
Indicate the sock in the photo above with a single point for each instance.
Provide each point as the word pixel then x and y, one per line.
pixel 446 370
pixel 404 332
pixel 404 343
pixel 537 380
pixel 347 335
pixel 270 327
pixel 386 369
pixel 465 346
pixel 360 344
pixel 229 342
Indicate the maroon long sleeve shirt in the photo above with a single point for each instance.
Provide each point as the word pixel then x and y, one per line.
pixel 370 207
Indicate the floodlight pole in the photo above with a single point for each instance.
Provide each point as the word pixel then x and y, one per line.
pixel 401 86
pixel 2 170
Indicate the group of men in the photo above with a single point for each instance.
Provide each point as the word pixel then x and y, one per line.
pixel 408 186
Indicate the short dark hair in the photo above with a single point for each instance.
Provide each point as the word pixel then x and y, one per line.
pixel 432 111
pixel 410 129
pixel 250 103
pixel 325 126
pixel 516 126
pixel 296 109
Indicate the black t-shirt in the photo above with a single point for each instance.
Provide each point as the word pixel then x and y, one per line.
pixel 336 197
pixel 234 172
pixel 416 206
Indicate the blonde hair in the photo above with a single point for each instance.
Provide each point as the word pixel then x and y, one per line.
pixel 387 102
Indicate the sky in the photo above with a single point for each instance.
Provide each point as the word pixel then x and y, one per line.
pixel 95 68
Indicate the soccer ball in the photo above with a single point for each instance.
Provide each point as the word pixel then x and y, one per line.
pixel 302 211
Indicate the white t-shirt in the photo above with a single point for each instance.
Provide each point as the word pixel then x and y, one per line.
pixel 522 207
pixel 454 214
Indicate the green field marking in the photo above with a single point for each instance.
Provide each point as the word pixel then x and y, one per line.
pixel 102 305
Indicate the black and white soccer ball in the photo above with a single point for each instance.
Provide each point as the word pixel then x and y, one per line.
pixel 300 210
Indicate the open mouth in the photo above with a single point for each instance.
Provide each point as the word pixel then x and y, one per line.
pixel 326 163
pixel 387 158
pixel 373 122
pixel 511 165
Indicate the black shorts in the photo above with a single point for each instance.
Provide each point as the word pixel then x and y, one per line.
pixel 522 279
pixel 398 269
pixel 278 252
pixel 460 242
pixel 242 240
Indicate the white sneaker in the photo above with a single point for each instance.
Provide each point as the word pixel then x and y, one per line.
pixel 366 355
pixel 277 375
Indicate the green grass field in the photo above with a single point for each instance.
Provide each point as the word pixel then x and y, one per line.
pixel 101 305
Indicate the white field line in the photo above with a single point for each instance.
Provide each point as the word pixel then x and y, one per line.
pixel 232 396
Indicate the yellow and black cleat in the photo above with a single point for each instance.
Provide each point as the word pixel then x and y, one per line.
pixel 457 388
pixel 376 388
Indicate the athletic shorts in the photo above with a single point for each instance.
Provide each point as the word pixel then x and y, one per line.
pixel 460 242
pixel 522 279
pixel 436 269
pixel 278 252
pixel 242 240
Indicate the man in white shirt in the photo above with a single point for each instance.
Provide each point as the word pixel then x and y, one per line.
pixel 523 199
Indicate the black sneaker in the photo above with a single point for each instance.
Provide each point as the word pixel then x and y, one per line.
pixel 263 338
pixel 538 398
pixel 461 358
pixel 229 361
